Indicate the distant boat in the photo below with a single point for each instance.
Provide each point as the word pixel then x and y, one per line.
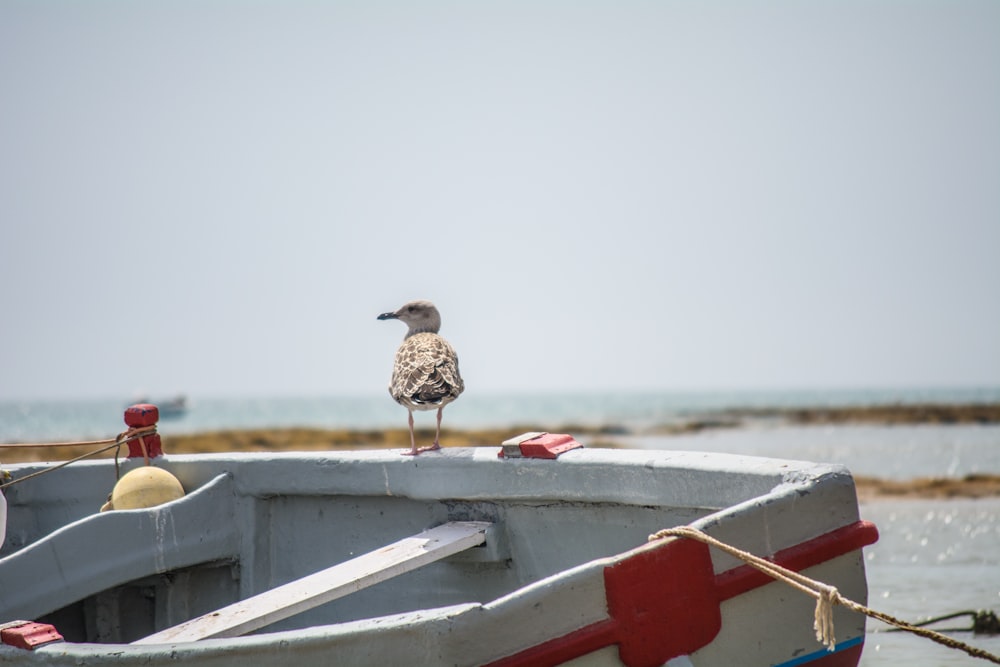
pixel 460 557
pixel 173 408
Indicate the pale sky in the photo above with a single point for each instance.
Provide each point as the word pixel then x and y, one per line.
pixel 219 198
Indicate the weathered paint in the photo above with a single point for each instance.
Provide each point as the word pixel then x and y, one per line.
pixel 3 516
pixel 28 635
pixel 558 525
pixel 844 654
pixel 113 548
pixel 148 446
pixel 279 603
pixel 538 446
pixel 663 599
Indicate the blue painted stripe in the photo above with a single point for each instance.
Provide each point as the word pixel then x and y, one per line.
pixel 822 653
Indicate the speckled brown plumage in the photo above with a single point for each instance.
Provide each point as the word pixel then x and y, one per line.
pixel 425 374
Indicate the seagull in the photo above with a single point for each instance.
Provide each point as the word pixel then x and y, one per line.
pixel 425 375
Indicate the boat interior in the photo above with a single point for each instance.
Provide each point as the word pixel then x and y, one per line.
pixel 253 523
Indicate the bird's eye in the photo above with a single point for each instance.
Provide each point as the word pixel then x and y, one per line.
pixel 410 309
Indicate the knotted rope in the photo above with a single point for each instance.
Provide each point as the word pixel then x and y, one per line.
pixel 134 433
pixel 826 596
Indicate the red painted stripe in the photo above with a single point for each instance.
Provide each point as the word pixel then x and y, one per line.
pixel 557 651
pixel 818 550
pixel 728 584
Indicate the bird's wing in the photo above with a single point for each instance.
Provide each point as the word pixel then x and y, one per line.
pixel 426 371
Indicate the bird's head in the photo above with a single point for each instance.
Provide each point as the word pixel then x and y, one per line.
pixel 421 316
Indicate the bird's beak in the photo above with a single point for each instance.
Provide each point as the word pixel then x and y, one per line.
pixel 388 316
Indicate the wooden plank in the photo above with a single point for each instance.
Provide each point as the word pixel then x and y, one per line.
pixel 334 582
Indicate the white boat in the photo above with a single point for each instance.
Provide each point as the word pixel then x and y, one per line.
pixel 457 557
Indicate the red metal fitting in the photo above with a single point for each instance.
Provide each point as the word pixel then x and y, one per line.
pixel 144 415
pixel 28 634
pixel 538 446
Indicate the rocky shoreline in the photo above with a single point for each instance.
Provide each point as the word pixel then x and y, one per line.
pixel 939 414
pixel 916 413
pixel 970 486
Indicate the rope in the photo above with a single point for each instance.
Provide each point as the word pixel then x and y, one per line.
pixel 983 622
pixel 43 445
pixel 826 596
pixel 115 443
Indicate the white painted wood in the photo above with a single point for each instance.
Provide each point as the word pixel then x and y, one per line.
pixel 3 514
pixel 334 582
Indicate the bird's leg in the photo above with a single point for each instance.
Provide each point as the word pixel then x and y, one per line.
pixel 413 443
pixel 437 434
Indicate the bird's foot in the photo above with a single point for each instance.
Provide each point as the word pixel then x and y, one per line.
pixel 421 450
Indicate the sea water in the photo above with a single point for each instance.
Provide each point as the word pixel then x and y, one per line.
pixel 34 420
pixel 933 557
pixel 887 452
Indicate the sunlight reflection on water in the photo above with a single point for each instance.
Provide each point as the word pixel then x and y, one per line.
pixel 934 557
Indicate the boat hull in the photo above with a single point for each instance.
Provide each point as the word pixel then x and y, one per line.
pixel 565 574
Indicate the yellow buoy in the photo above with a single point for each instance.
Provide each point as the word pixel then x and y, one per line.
pixel 143 487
